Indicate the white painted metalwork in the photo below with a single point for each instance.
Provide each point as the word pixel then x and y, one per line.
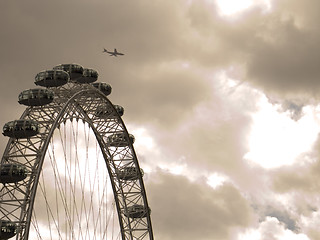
pixel 73 103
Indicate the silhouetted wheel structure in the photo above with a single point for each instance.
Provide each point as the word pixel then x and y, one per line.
pixel 69 148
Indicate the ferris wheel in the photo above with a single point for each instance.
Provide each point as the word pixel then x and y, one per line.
pixel 69 170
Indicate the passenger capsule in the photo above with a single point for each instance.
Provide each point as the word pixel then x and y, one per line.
pixel 119 109
pixel 103 87
pixel 22 128
pixel 51 78
pixel 120 140
pixel 129 173
pixel 8 229
pixel 137 211
pixel 12 173
pixel 108 112
pixel 75 70
pixel 88 76
pixel 36 97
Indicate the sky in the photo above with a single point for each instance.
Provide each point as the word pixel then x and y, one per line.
pixel 222 97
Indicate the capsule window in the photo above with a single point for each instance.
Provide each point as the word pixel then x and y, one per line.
pixel 5 171
pixel 20 128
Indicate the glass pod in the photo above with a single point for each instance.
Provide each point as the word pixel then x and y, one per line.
pixel 120 140
pixel 51 78
pixel 129 173
pixel 107 111
pixel 88 76
pixel 75 70
pixel 8 229
pixel 22 128
pixel 12 173
pixel 36 97
pixel 119 109
pixel 103 87
pixel 137 211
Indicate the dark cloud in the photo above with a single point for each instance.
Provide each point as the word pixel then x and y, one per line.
pixel 179 205
pixel 279 53
pixel 164 95
pixel 168 83
pixel 288 63
pixel 283 52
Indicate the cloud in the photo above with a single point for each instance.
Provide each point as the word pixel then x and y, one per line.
pixel 282 217
pixel 299 186
pixel 278 53
pixel 189 77
pixel 272 229
pixel 165 95
pixel 283 52
pixel 306 179
pixel 178 205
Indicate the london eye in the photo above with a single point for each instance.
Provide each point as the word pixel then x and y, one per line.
pixel 69 170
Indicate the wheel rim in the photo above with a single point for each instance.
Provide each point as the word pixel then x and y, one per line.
pixel 73 199
pixel 74 103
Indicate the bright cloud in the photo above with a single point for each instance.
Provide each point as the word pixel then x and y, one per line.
pixel 230 7
pixel 215 180
pixel 276 139
pixel 194 117
pixel 271 228
pixel 142 139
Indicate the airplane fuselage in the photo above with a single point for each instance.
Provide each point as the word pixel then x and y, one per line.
pixel 115 53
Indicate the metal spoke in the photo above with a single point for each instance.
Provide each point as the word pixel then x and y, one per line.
pixel 64 193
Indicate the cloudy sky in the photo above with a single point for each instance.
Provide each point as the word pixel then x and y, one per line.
pixel 221 95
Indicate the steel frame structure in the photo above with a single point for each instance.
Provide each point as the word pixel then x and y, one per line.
pixel 74 102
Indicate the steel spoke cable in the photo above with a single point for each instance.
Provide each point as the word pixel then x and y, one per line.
pixel 86 137
pixel 99 194
pixel 82 179
pixel 80 186
pixel 96 185
pixel 87 167
pixel 109 217
pixel 69 183
pixel 99 210
pixel 77 166
pixel 75 134
pixel 68 175
pixel 65 168
pixel 34 223
pixel 47 206
pixel 77 171
pixel 60 184
pixel 75 137
pixel 113 225
pixel 55 182
pixel 93 186
pixel 90 181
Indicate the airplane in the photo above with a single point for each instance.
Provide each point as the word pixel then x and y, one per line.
pixel 115 53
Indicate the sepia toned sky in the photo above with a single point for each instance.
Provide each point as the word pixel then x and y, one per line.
pixel 222 97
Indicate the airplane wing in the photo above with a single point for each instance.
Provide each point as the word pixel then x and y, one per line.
pixel 115 53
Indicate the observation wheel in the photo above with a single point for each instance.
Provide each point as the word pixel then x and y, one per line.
pixel 69 170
